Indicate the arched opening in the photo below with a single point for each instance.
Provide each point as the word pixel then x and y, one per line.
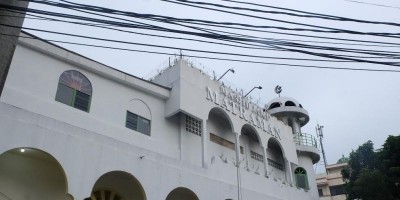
pixel 251 150
pixel 290 103
pixel 275 105
pixel 117 185
pixel 182 193
pixel 27 173
pixel 222 138
pixel 276 160
pixel 300 175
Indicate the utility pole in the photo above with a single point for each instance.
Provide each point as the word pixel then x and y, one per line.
pixel 320 134
pixel 9 35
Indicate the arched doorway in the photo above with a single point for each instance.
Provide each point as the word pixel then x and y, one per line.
pixel 182 193
pixel 117 185
pixel 27 173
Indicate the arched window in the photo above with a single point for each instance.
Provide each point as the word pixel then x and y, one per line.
pixel 74 89
pixel 275 105
pixel 290 103
pixel 301 178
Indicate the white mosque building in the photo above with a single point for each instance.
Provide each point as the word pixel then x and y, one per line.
pixel 73 128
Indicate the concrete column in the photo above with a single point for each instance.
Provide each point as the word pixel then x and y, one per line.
pixel 237 148
pixel 289 171
pixel 204 143
pixel 265 162
pixel 8 35
pixel 295 126
pixel 182 130
pixel 237 163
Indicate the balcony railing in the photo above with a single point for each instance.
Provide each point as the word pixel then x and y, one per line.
pixel 305 139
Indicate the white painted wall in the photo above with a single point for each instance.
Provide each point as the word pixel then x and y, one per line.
pixel 88 145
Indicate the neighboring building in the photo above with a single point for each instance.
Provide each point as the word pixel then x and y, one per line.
pixel 331 185
pixel 73 128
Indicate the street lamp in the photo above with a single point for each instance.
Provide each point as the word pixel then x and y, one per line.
pixel 258 87
pixel 233 71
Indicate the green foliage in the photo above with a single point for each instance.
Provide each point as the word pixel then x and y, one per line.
pixel 374 175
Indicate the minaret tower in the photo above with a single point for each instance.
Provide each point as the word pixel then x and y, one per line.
pixel 292 113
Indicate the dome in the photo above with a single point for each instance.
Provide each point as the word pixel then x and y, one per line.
pixel 343 160
pixel 282 102
pixel 288 107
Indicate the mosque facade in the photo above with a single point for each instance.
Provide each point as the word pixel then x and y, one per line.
pixel 73 128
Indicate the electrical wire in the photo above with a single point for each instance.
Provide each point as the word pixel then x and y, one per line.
pixel 211 58
pixel 293 50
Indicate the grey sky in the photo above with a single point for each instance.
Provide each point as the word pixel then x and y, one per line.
pixel 352 106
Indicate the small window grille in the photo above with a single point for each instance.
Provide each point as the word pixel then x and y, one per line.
pixel 193 125
pixel 275 164
pixel 137 123
pixel 257 156
pixel 337 190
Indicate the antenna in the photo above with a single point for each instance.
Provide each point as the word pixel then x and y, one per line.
pixel 278 90
pixel 320 134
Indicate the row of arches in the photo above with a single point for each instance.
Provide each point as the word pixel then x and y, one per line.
pixel 27 173
pixel 254 156
pixel 269 160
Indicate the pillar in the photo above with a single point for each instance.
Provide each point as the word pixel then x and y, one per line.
pixel 204 143
pixel 8 36
pixel 265 162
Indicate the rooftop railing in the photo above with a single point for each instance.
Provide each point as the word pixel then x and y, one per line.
pixel 305 139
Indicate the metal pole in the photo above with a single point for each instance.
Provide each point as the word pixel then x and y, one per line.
pixel 320 134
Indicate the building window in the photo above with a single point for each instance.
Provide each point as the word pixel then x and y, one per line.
pixel 74 89
pixel 301 178
pixel 320 193
pixel 137 123
pixel 193 125
pixel 257 156
pixel 337 190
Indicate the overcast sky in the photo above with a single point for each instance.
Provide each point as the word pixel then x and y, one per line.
pixel 354 107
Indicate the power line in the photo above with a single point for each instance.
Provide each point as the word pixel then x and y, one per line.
pixel 197 34
pixel 222 37
pixel 373 4
pixel 160 17
pixel 36 11
pixel 211 58
pixel 167 47
pixel 314 15
pixel 329 29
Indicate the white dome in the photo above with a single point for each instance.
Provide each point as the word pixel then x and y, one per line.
pixel 282 102
pixel 286 106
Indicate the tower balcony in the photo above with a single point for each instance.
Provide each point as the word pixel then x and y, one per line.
pixel 307 144
pixel 305 139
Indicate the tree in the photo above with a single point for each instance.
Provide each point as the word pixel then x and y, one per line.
pixel 374 175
